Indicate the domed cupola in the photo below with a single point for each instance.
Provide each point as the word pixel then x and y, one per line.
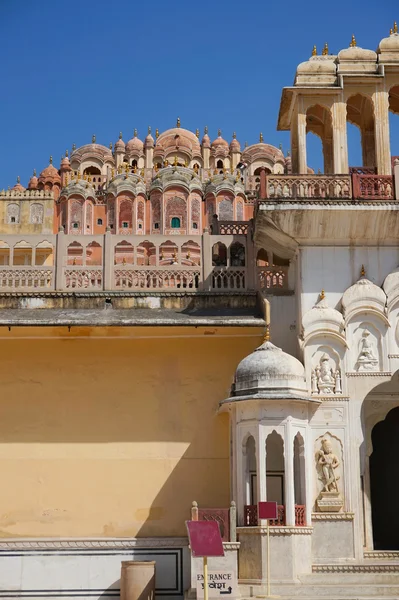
pixel 33 181
pixel 149 140
pixel 18 187
pixel 206 140
pixel 235 144
pixel 120 144
pixel 388 49
pixel 135 145
pixel 220 142
pixel 269 373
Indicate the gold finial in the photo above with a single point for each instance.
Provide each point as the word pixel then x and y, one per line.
pixel 322 295
pixel 266 336
pixel 206 130
pixel 188 254
pixel 197 133
pixel 124 261
pixel 353 43
pixel 93 139
pixel 110 145
pixel 127 168
pixel 325 50
pixel 174 254
pixel 34 172
pixel 219 133
pixel 120 135
pixel 73 147
pixel 362 271
pixel 66 178
pixel 161 254
pixel 112 173
pixel 166 162
pixel 89 178
pixel 66 153
pixel 156 134
pixel 149 129
pixel 18 179
pixel 120 169
pixel 314 51
pixel 245 144
pixel 156 168
pixel 395 27
pixel 231 169
pixel 391 31
pixel 234 135
pixel 142 172
pixel 135 133
pixel 74 261
pixel 51 160
pixel 134 169
pixel 261 138
pixel 280 147
pixel 85 176
pixel 175 162
pixel 186 163
pixel 178 122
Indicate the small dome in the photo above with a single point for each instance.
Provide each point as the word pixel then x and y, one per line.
pixel 65 164
pixel 355 53
pixel 364 294
pixel 206 140
pixel 177 138
pixel 135 144
pixel 33 181
pixel 50 173
pixel 317 65
pixel 219 142
pixel 270 373
pixel 322 317
pixel 18 187
pixel 120 144
pixel 235 144
pixel 389 44
pixel 149 140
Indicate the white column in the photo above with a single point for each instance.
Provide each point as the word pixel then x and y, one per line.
pixel 289 474
pixel 260 444
pixel 340 138
pixel 381 132
pixel 309 474
pixel 396 173
pixel 241 461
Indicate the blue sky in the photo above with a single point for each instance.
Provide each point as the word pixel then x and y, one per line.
pixel 71 69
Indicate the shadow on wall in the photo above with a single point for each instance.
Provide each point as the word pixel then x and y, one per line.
pixel 114 438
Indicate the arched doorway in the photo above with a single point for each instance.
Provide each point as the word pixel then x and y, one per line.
pixel 384 482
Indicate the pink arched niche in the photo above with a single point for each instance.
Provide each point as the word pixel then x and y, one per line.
pixel 125 207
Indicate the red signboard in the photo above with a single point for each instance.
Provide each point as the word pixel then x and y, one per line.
pixel 205 538
pixel 267 510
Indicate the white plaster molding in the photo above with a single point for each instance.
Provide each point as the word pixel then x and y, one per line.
pixel 331 398
pixel 369 374
pixel 333 516
pixel 382 555
pixel 365 568
pixel 90 543
pixel 275 530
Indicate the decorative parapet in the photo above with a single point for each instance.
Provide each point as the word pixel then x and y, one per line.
pixel 26 194
pixel 275 531
pixel 306 187
pixel 180 176
pixel 332 516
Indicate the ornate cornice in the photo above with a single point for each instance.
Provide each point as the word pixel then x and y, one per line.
pixel 382 555
pixel 364 568
pixel 332 516
pixel 330 398
pixel 371 374
pixel 90 544
pixel 275 530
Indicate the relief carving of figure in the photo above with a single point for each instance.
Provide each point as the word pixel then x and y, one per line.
pixel 324 379
pixel 328 463
pixel 367 360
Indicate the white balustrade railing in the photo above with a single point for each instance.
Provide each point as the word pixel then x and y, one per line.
pixel 26 278
pixel 272 277
pixel 83 277
pixel 156 278
pixel 229 278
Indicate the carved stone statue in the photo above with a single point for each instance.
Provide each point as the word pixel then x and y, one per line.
pixel 324 379
pixel 329 462
pixel 367 360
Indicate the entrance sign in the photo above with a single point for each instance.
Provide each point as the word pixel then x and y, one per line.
pixel 267 510
pixel 221 584
pixel 205 540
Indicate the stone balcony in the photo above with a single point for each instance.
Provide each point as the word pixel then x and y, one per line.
pixel 221 262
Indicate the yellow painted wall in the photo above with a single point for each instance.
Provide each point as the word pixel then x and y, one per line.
pixel 114 437
pixel 25 226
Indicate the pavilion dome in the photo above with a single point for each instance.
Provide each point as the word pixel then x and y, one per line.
pixel 355 53
pixel 206 140
pixel 135 144
pixel 235 144
pixel 270 373
pixel 177 138
pixel 120 144
pixel 219 142
pixel 18 187
pixel 33 181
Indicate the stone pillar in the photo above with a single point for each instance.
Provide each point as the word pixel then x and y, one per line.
pixel 310 473
pixel 328 156
pixel 381 133
pixel 396 175
pixel 368 148
pixel 250 261
pixel 289 486
pixel 302 159
pixel 60 258
pixel 206 261
pixel 260 447
pixel 206 153
pixel 340 138
pixel 235 159
pixel 108 260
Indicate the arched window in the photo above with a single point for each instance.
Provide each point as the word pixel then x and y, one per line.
pixel 36 213
pixel 13 213
pixel 219 164
pixel 219 255
pixel 175 223
pixel 237 255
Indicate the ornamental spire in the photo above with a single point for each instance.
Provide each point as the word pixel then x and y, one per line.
pixel 395 27
pixel 261 137
pixel 314 51
pixel 353 43
pixel 325 50
pixel 178 122
pixel 93 139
